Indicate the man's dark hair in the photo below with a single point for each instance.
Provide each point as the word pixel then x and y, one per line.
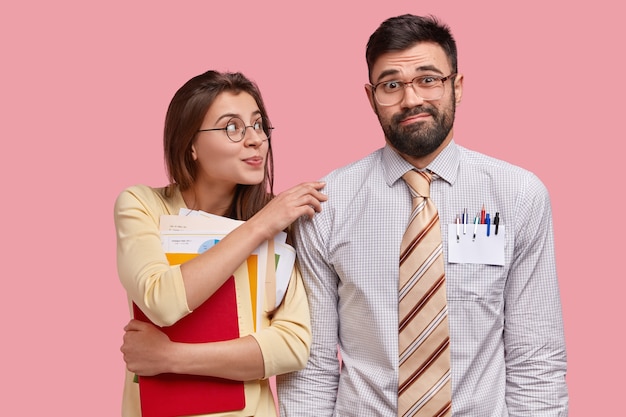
pixel 402 32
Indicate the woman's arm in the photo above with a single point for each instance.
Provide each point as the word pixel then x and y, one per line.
pixel 167 293
pixel 148 351
pixel 281 347
pixel 222 259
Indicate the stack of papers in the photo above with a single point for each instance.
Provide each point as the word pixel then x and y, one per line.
pixel 192 232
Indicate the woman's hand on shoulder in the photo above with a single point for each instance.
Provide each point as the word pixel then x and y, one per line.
pixel 304 199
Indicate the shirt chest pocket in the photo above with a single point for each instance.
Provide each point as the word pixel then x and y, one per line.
pixel 475 282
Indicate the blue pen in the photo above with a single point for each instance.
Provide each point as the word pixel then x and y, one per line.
pixel 458 227
pixel 488 222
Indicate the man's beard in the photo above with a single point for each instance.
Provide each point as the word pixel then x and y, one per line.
pixel 420 138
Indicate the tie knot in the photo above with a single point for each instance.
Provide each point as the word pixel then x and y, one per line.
pixel 418 182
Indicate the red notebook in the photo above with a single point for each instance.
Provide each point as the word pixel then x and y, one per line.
pixel 173 395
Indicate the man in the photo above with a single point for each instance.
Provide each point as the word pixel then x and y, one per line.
pixel 506 344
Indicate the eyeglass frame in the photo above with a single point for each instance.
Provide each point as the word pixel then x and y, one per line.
pixel 268 134
pixel 406 83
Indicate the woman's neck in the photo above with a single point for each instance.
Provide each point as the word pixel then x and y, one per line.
pixel 214 200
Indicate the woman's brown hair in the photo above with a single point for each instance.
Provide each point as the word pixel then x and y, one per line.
pixel 182 121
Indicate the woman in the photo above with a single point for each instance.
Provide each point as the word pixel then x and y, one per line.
pixel 219 160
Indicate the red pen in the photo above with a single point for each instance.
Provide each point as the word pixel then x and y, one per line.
pixel 482 215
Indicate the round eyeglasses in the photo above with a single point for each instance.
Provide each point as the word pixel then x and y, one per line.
pixel 236 129
pixel 428 87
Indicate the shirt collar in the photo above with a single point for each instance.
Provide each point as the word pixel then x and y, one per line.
pixel 445 165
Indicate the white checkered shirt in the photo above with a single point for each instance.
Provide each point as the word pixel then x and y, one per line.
pixel 507 343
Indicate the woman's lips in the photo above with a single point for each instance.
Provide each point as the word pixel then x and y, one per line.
pixel 255 161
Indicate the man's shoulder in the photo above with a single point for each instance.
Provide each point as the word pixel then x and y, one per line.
pixel 357 180
pixel 508 174
pixel 475 158
pixel 356 169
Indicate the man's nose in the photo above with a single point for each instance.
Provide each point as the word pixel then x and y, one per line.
pixel 411 98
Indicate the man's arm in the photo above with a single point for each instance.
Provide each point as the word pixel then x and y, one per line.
pixel 533 328
pixel 312 392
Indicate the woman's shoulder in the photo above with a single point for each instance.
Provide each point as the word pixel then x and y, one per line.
pixel 162 199
pixel 141 192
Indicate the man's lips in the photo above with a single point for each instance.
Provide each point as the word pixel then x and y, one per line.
pixel 414 118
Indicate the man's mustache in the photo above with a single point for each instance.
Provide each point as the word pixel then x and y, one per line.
pixel 414 111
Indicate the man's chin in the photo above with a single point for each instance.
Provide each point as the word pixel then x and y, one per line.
pixel 423 149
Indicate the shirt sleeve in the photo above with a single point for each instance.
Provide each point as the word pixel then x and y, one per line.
pixel 286 342
pixel 156 287
pixel 313 390
pixel 533 331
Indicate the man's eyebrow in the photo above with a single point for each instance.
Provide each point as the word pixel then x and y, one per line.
pixel 429 68
pixel 386 73
pixel 418 69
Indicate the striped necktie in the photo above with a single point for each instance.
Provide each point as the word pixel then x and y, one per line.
pixel 424 385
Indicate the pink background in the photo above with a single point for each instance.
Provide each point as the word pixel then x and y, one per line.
pixel 84 87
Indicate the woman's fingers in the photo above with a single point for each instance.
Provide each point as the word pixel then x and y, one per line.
pixel 301 200
pixel 135 325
